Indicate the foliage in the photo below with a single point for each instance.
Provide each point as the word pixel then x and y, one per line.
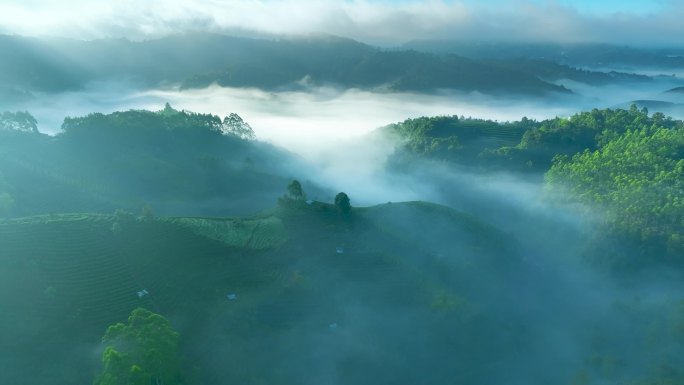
pixel 145 126
pixel 524 145
pixel 177 161
pixel 342 203
pixel 234 125
pixel 453 138
pixel 295 191
pixel 144 351
pixel 18 121
pixel 638 177
pixel 294 196
pixel 245 233
pixel 583 131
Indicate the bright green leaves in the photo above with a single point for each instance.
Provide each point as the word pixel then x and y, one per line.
pixel 638 178
pixel 143 351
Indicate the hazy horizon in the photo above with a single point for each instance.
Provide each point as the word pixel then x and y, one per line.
pixel 383 22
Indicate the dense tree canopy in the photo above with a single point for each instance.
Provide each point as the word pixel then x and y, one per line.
pixel 625 161
pixel 524 145
pixel 638 177
pixel 143 351
pixel 454 138
pixel 234 125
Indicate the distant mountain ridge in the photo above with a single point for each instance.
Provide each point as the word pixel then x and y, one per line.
pixel 593 55
pixel 198 60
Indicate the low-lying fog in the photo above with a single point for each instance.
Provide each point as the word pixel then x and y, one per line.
pixel 308 122
pixel 325 125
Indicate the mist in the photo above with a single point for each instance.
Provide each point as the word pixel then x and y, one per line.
pixel 552 314
pixel 310 121
pixel 332 128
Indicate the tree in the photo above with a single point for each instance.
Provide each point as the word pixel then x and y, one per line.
pixel 638 178
pixel 142 352
pixel 234 125
pixel 168 110
pixel 342 203
pixel 295 191
pixel 18 121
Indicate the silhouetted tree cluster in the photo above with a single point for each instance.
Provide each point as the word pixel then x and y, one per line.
pixel 342 203
pixel 234 125
pixel 294 195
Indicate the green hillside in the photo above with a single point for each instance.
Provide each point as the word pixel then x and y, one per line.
pixel 178 162
pixel 303 278
pixel 519 146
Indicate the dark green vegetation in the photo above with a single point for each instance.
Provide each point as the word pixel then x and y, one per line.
pixel 638 177
pixel 282 309
pixel 622 173
pixel 626 164
pixel 453 138
pixel 176 161
pixel 524 145
pixel 144 351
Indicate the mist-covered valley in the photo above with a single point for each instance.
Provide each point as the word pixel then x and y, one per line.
pixel 256 208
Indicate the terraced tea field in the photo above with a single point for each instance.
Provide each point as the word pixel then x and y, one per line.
pixel 256 300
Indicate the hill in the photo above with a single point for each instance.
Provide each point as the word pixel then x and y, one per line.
pixel 519 146
pixel 177 162
pixel 592 55
pixel 265 299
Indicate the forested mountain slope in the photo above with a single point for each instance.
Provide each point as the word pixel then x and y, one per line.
pixel 198 60
pixel 175 161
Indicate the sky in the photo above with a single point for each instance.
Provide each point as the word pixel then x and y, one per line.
pixel 383 22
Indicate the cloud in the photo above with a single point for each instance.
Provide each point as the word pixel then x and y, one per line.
pixel 383 22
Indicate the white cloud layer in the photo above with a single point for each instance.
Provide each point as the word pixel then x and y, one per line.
pixel 385 22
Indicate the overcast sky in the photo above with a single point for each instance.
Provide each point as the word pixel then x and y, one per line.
pixel 655 22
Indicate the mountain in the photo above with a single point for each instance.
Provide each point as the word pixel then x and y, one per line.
pixel 579 54
pixel 552 71
pixel 676 90
pixel 198 60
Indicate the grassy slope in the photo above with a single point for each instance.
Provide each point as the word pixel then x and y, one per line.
pixel 66 277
